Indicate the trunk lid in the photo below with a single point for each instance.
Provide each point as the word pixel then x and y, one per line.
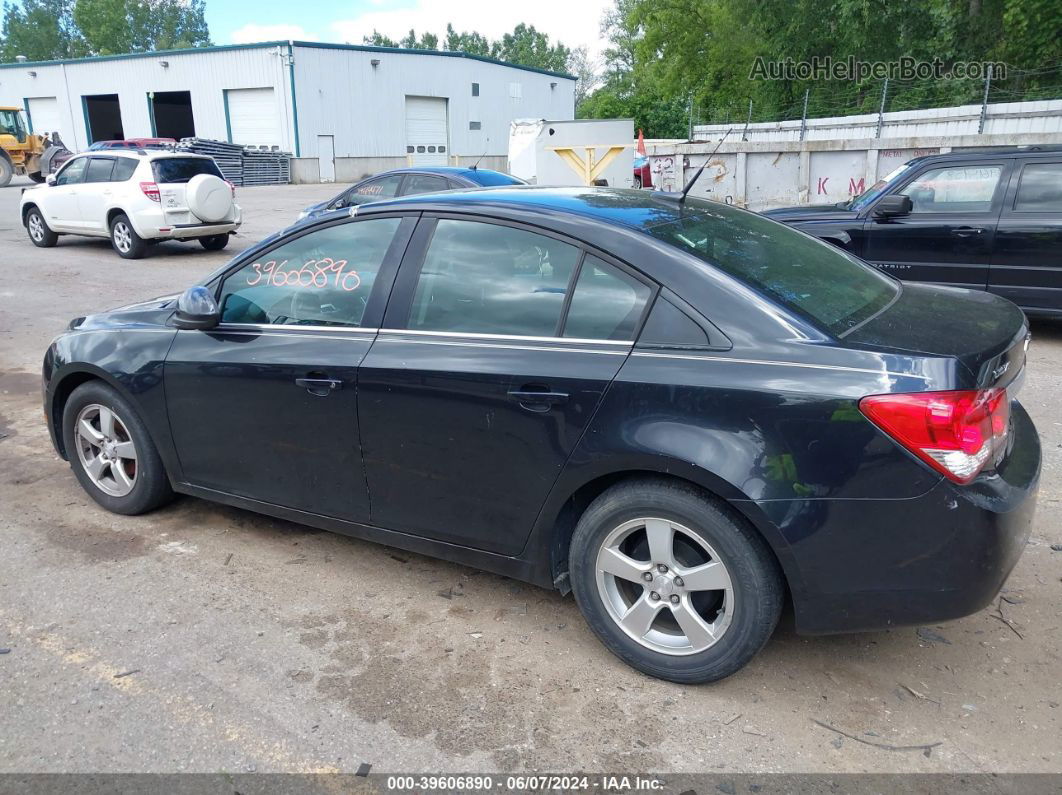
pixel 985 333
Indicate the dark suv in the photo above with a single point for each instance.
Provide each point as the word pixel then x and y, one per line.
pixel 988 220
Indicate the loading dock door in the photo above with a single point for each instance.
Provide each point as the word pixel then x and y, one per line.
pixel 171 114
pixel 427 142
pixel 44 115
pixel 103 113
pixel 254 116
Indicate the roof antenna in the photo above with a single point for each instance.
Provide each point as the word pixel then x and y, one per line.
pixel 695 177
pixel 485 147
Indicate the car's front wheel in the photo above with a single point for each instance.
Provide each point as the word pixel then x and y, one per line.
pixel 672 582
pixel 125 240
pixel 111 452
pixel 214 242
pixel 39 232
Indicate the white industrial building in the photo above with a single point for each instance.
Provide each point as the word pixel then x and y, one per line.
pixel 342 110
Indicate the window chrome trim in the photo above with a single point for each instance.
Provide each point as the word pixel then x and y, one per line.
pixel 506 337
pixel 807 365
pixel 263 327
pixel 505 346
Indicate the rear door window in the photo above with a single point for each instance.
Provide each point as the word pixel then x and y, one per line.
pixel 322 278
pixel 99 169
pixel 179 170
pixel 123 169
pixel 1040 189
pixel 606 304
pixel 492 279
pixel 424 183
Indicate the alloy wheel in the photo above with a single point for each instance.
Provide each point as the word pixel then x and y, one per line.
pixel 105 449
pixel 665 586
pixel 36 227
pixel 123 236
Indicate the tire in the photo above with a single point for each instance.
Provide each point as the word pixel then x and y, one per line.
pixel 36 176
pixel 638 181
pixel 214 242
pixel 121 485
pixel 6 172
pixel 38 230
pixel 743 609
pixel 125 240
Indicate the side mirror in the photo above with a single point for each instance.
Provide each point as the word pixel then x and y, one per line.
pixel 50 179
pixel 197 309
pixel 893 206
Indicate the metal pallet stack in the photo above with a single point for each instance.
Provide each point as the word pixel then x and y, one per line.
pixel 229 157
pixel 266 167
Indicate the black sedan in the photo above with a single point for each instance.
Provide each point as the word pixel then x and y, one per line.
pixel 410 182
pixel 682 413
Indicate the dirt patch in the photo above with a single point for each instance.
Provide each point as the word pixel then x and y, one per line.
pixel 94 543
pixel 18 382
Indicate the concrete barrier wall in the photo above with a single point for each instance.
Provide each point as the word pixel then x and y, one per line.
pixel 760 175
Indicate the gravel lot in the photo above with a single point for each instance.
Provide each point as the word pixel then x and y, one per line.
pixel 205 638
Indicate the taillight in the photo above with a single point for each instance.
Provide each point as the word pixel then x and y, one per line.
pixel 151 190
pixel 956 433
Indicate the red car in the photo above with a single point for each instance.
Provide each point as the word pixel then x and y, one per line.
pixel 135 143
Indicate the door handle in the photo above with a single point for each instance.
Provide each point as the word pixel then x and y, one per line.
pixel 319 386
pixel 967 231
pixel 537 399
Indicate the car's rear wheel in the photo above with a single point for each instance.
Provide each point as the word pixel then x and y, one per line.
pixel 214 242
pixel 111 453
pixel 672 582
pixel 39 232
pixel 125 240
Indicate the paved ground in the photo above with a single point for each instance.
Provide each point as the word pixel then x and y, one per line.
pixel 211 639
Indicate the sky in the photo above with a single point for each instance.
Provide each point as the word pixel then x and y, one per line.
pixel 573 22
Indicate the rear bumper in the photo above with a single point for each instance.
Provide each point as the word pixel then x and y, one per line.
pixel 185 231
pixel 874 564
pixel 151 224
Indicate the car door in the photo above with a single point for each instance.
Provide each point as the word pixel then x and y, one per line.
pixel 95 193
pixel 947 238
pixel 1027 261
pixel 264 406
pixel 482 381
pixel 60 202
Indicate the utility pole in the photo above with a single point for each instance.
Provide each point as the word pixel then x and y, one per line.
pixel 745 134
pixel 804 115
pixel 690 137
pixel 881 110
pixel 984 101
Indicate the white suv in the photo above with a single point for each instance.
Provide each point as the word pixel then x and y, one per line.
pixel 134 198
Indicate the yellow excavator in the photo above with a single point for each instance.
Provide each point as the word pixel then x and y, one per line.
pixel 20 151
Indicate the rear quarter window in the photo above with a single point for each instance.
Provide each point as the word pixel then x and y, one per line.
pixel 812 278
pixel 176 170
pixel 123 169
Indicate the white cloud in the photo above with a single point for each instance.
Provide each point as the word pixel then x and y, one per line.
pixel 575 24
pixel 252 32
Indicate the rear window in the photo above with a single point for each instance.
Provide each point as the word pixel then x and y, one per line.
pixel 181 169
pixel 123 169
pixel 493 178
pixel 808 276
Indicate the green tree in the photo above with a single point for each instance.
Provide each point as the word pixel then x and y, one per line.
pixel 473 43
pixel 529 47
pixel 377 39
pixel 427 41
pixel 41 30
pixel 119 26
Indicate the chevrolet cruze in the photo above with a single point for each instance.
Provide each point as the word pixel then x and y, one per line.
pixel 683 413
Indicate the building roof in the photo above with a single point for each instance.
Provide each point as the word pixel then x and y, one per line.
pixel 304 44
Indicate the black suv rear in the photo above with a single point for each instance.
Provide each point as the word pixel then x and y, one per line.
pixel 988 220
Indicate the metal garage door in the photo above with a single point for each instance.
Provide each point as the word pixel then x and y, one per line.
pixel 44 116
pixel 427 143
pixel 254 116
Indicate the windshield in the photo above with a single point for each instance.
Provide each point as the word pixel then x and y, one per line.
pixel 814 279
pixel 11 124
pixel 875 190
pixel 181 169
pixel 494 178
